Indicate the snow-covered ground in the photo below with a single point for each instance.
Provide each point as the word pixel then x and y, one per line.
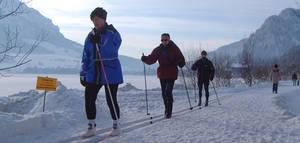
pixel 24 82
pixel 245 115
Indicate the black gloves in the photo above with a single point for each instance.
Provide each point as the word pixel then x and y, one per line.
pixel 82 81
pixel 143 58
pixel 211 78
pixel 181 64
pixel 95 38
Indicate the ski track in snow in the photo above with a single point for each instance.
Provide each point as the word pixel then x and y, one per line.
pixel 250 116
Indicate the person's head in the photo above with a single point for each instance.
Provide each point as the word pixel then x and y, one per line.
pixel 165 39
pixel 276 66
pixel 98 17
pixel 203 54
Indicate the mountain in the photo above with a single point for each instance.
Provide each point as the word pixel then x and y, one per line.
pixel 56 54
pixel 278 34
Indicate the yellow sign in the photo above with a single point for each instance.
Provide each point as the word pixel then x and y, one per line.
pixel 45 83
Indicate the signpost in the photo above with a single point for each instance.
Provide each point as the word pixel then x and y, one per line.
pixel 47 84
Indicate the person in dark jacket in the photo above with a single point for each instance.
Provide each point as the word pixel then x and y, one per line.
pixel 294 78
pixel 206 73
pixel 92 75
pixel 169 57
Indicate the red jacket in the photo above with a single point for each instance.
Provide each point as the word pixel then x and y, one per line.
pixel 167 67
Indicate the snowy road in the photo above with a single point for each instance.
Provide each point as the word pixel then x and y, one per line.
pixel 249 116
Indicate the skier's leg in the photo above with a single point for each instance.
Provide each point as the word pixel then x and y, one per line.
pixel 276 88
pixel 206 84
pixel 169 97
pixel 113 90
pixel 273 87
pixel 200 85
pixel 91 91
pixel 163 84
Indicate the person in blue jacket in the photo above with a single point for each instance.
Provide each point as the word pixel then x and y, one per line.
pixel 92 75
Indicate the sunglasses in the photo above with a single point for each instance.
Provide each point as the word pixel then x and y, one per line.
pixel 163 40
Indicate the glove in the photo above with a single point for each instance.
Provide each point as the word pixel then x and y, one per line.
pixel 82 81
pixel 144 58
pixel 181 64
pixel 95 38
pixel 211 78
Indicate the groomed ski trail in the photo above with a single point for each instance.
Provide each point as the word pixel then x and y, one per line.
pixel 249 116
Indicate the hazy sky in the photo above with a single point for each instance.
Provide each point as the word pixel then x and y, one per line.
pixel 191 23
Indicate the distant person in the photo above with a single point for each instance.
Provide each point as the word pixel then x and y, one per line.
pixel 294 78
pixel 206 73
pixel 169 57
pixel 92 77
pixel 275 78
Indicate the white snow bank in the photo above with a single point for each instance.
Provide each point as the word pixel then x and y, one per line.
pixel 21 114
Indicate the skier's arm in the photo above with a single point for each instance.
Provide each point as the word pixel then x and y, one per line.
pixel 152 58
pixel 85 56
pixel 195 66
pixel 117 40
pixel 180 61
pixel 271 75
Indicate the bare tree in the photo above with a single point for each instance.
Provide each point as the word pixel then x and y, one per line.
pixel 11 48
pixel 191 55
pixel 247 59
pixel 19 9
pixel 222 73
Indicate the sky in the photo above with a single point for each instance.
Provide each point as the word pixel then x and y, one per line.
pixel 192 24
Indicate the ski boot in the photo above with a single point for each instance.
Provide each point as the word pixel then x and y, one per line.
pixel 116 130
pixel 90 132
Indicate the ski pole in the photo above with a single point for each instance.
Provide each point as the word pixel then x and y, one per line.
pixel 187 93
pixel 195 91
pixel 146 88
pixel 216 94
pixel 106 80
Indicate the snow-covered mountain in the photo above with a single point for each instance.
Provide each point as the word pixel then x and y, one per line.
pixel 277 35
pixel 56 54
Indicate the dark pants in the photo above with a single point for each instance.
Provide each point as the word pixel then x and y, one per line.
pixel 275 87
pixel 166 89
pixel 294 82
pixel 200 85
pixel 91 92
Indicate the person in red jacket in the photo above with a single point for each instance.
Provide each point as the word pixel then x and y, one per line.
pixel 169 57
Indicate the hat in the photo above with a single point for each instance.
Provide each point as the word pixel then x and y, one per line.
pixel 165 34
pixel 99 12
pixel 203 52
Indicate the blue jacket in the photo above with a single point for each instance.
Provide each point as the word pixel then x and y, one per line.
pixel 109 46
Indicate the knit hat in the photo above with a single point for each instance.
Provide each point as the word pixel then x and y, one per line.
pixel 203 52
pixel 99 12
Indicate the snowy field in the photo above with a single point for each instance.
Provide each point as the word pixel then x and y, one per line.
pixel 245 115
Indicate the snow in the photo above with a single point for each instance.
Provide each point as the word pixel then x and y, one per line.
pixel 245 115
pixel 23 82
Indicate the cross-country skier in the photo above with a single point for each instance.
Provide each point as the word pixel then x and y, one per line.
pixel 169 57
pixel 294 78
pixel 275 78
pixel 92 75
pixel 206 73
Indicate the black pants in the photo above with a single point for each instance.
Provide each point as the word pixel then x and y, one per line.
pixel 167 89
pixel 200 85
pixel 275 87
pixel 91 92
